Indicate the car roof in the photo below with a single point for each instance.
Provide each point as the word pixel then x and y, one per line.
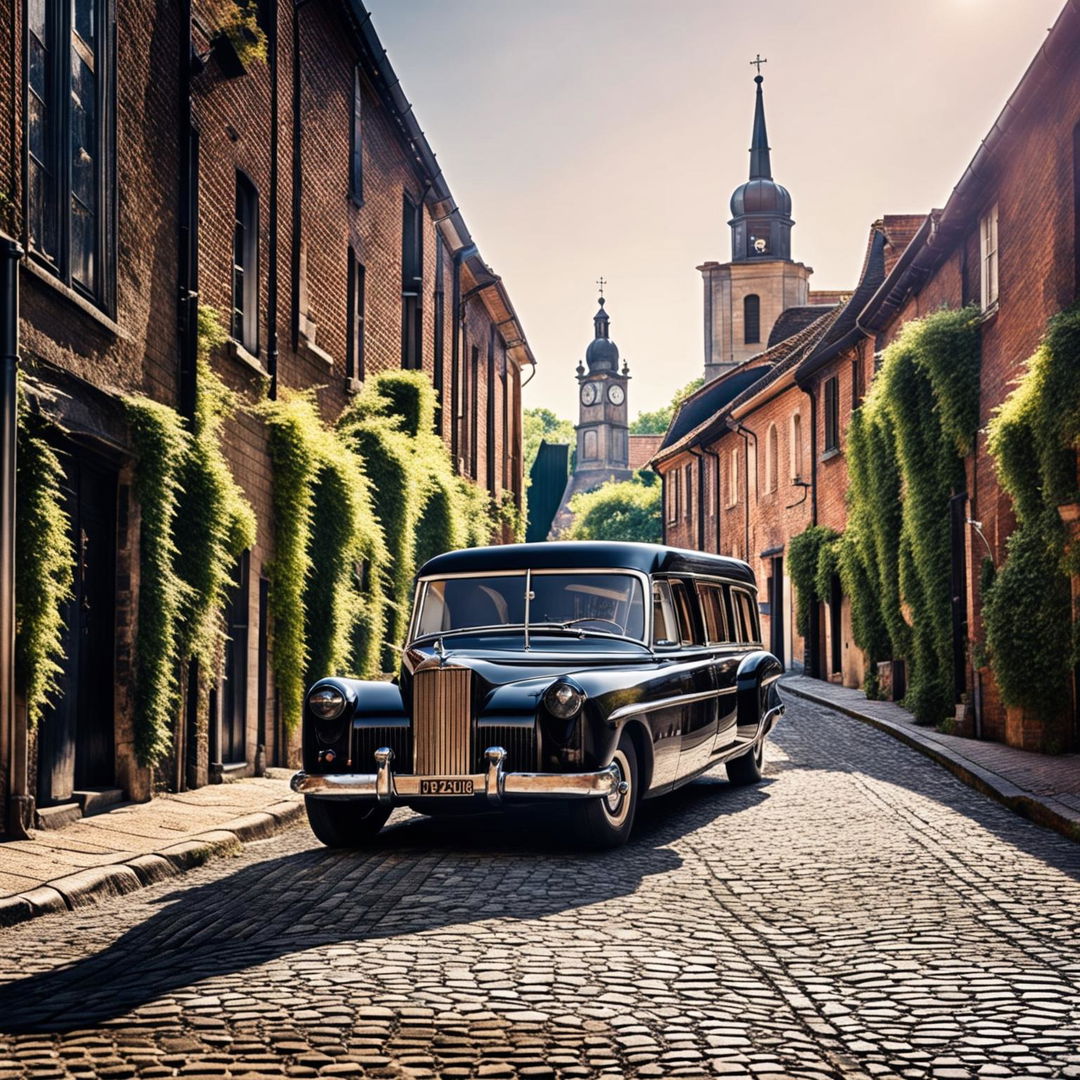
pixel 588 554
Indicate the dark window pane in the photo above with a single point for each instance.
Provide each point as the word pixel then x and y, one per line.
pixel 37 132
pixel 83 238
pixel 42 218
pixel 83 134
pixel 751 319
pixel 37 18
pixel 38 70
pixel 82 18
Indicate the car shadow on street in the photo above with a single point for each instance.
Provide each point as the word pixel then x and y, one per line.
pixel 421 874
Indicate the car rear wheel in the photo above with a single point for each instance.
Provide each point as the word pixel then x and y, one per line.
pixel 746 768
pixel 606 823
pixel 345 822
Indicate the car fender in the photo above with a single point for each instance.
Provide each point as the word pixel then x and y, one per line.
pixel 755 684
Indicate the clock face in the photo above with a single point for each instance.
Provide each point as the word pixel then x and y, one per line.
pixel 589 393
pixel 616 395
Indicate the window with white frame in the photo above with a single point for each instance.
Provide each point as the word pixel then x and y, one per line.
pixel 688 483
pixel 988 257
pixel 245 272
pixel 733 478
pixel 673 496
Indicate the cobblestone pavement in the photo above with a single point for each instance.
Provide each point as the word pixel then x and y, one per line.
pixel 858 914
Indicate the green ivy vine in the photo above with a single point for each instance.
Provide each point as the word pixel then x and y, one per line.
pixel 1033 438
pixel 805 553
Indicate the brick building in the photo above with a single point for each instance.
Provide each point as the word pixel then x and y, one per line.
pixel 1007 241
pixel 277 174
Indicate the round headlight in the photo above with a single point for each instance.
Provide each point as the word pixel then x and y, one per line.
pixel 326 702
pixel 563 700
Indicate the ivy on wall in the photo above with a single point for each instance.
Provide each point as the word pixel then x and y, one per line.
pixel 44 564
pixel 195 524
pixel 905 448
pixel 805 552
pixel 1033 438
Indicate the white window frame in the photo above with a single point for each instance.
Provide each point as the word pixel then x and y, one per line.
pixel 796 454
pixel 988 258
pixel 772 453
pixel 733 478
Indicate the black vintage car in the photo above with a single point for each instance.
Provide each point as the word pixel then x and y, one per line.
pixel 595 673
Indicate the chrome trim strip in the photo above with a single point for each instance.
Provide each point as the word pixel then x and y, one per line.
pixel 495 785
pixel 667 703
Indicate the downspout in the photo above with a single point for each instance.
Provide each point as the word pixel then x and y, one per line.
pixel 700 497
pixel 188 299
pixel 458 308
pixel 744 431
pixel 811 659
pixel 716 501
pixel 13 728
pixel 297 176
pixel 272 240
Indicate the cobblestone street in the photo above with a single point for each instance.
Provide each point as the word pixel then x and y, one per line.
pixel 860 913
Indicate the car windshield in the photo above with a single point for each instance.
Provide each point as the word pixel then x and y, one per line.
pixel 555 603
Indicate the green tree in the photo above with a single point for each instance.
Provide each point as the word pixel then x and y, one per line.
pixel 659 420
pixel 627 510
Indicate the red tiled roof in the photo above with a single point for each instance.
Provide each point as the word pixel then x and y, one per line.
pixel 643 448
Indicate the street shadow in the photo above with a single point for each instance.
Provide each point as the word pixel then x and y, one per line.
pixel 421 874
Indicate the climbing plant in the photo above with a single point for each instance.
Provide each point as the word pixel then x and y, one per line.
pixel 44 563
pixel 805 552
pixel 195 524
pixel 1033 438
pixel 905 451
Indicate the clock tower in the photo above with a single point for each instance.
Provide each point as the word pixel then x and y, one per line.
pixel 603 444
pixel 602 426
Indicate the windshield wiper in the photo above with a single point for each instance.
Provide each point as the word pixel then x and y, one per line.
pixel 580 631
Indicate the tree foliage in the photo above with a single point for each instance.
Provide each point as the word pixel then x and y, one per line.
pixel 538 425
pixel 626 510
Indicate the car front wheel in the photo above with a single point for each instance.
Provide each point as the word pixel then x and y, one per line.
pixel 606 823
pixel 746 768
pixel 345 823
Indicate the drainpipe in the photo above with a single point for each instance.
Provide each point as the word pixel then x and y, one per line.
pixel 716 501
pixel 272 239
pixel 13 731
pixel 811 660
pixel 747 434
pixel 188 300
pixel 700 497
pixel 297 175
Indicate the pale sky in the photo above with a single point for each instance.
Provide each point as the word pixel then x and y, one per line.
pixel 604 137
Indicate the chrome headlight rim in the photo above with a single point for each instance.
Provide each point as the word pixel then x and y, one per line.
pixel 326 702
pixel 564 699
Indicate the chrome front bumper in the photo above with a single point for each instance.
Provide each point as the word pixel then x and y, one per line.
pixel 495 784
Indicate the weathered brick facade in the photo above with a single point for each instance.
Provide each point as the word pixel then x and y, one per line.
pixel 1029 169
pixel 283 127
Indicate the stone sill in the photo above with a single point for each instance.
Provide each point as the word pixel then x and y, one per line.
pixel 79 301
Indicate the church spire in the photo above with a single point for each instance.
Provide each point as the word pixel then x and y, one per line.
pixel 760 165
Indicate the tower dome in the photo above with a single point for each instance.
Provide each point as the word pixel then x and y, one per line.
pixel 603 353
pixel 760 207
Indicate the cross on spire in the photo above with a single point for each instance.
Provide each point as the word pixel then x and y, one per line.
pixel 757 62
pixel 601 283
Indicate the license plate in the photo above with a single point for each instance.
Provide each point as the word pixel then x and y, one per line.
pixel 446 786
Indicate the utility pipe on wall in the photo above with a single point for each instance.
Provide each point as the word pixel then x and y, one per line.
pixel 13 731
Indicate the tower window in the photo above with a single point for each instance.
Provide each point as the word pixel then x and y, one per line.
pixel 751 306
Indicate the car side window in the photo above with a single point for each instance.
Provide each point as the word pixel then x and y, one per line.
pixel 714 613
pixel 745 616
pixel 684 611
pixel 665 628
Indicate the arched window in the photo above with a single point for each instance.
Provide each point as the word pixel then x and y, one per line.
pixel 751 307
pixel 772 448
pixel 796 447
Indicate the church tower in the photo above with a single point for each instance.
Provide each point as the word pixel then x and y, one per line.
pixel 745 297
pixel 603 450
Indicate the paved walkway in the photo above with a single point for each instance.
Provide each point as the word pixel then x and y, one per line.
pixel 1042 787
pixel 136 844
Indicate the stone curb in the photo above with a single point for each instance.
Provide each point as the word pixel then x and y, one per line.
pixel 97 883
pixel 1041 809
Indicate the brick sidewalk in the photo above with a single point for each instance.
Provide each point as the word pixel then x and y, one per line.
pixel 135 844
pixel 1041 787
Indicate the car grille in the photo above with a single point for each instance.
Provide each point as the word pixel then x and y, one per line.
pixel 366 740
pixel 518 740
pixel 442 721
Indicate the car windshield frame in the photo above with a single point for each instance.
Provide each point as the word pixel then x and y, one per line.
pixel 529 629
